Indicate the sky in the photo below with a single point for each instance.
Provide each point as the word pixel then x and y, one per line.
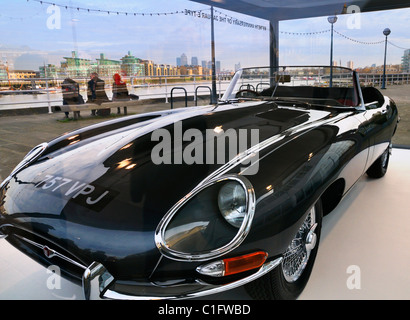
pixel 365 27
pixel 34 34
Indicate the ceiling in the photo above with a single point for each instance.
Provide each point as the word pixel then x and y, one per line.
pixel 277 10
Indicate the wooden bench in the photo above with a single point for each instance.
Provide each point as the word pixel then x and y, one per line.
pixel 77 108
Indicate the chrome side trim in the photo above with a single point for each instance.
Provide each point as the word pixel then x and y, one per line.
pixel 234 243
pixel 208 289
pixel 49 253
pixel 251 152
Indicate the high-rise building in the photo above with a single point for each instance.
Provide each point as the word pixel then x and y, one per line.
pixel 149 67
pixel 108 67
pixel 132 66
pixel 184 60
pixel 217 66
pixel 194 61
pixel 3 72
pixel 178 61
pixel 405 61
pixel 76 67
pixel 50 71
pixel 350 64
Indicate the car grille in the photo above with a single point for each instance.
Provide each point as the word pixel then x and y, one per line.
pixel 46 253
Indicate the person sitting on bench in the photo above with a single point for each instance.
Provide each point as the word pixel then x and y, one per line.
pixel 120 91
pixel 96 94
pixel 71 94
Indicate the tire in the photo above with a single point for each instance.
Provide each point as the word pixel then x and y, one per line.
pixel 379 168
pixel 287 281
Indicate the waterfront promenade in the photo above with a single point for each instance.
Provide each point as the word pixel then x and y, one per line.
pixel 19 133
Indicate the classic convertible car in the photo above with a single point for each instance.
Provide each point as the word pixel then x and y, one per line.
pixel 193 201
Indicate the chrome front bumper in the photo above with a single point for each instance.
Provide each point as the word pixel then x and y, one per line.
pixel 97 280
pixel 98 283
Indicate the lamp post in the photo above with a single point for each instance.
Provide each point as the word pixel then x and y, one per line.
pixel 332 20
pixel 386 32
pixel 214 99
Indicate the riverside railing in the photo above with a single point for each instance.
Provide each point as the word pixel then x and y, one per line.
pixel 374 80
pixel 46 92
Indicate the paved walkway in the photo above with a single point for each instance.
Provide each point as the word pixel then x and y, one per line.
pixel 20 133
pixel 401 95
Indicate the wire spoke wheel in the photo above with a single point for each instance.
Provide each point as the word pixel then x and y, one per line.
pixel 297 255
pixel 287 281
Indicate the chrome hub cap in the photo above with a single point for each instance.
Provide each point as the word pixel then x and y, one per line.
pixel 297 254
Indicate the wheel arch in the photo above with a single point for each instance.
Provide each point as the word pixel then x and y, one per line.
pixel 333 195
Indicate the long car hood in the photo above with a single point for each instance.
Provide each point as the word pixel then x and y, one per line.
pixel 97 192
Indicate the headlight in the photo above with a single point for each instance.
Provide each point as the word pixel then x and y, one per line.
pixel 210 221
pixel 232 203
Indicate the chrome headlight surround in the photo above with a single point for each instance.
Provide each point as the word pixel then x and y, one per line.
pixel 205 255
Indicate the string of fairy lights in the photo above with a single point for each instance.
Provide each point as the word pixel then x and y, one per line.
pixel 304 33
pixel 342 35
pixel 357 41
pixel 115 12
pixel 199 12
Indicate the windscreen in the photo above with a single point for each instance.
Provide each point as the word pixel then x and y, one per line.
pixel 316 85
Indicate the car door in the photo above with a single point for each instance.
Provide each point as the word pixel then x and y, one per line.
pixel 377 116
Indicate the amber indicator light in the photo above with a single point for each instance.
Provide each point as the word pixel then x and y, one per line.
pixel 244 263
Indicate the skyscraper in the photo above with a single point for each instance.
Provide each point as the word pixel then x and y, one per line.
pixel 405 61
pixel 194 61
pixel 184 60
pixel 218 66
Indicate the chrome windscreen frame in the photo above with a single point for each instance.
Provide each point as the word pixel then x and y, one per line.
pixel 208 255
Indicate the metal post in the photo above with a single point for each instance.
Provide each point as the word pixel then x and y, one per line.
pixel 48 97
pixel 386 32
pixel 273 49
pixel 332 20
pixel 213 95
pixel 384 66
pixel 331 60
pixel 166 90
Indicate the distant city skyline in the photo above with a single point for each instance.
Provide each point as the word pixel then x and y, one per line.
pixel 157 37
pixel 28 42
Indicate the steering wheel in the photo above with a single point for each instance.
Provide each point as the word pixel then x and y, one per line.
pixel 246 93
